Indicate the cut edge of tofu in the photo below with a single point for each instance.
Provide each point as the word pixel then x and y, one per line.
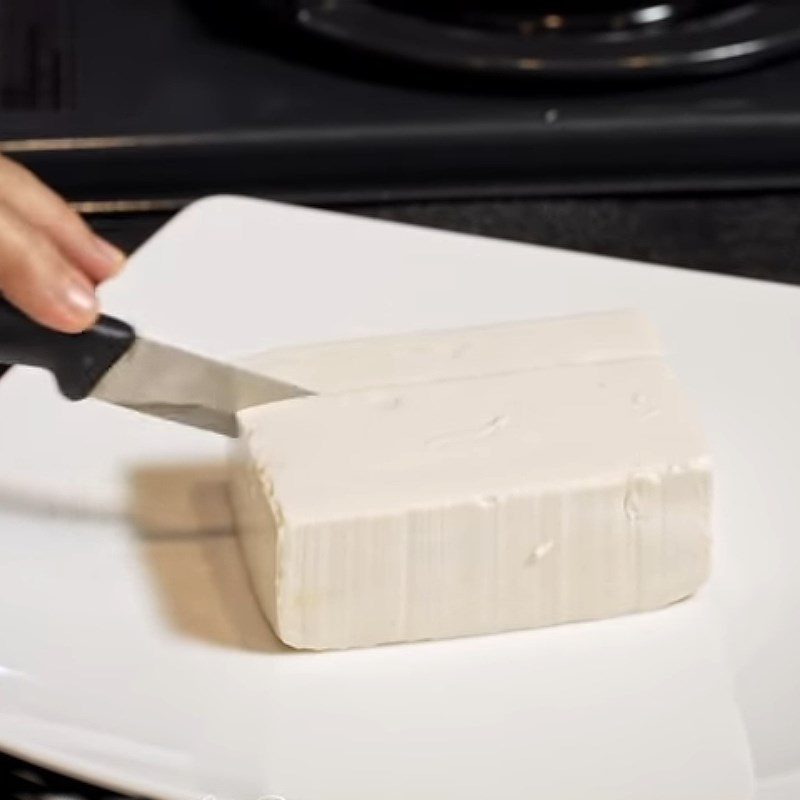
pixel 258 524
pixel 421 357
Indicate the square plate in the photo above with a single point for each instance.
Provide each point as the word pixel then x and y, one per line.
pixel 108 672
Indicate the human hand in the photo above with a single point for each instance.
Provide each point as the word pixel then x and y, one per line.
pixel 50 260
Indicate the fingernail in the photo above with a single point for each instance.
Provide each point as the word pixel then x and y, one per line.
pixel 111 255
pixel 80 299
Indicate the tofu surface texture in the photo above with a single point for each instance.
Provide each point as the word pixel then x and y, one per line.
pixel 473 482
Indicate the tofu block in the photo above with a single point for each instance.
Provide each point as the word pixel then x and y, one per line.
pixel 570 486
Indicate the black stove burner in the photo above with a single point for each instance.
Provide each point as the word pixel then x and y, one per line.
pixel 568 15
pixel 607 39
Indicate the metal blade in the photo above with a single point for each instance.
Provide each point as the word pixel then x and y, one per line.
pixel 173 384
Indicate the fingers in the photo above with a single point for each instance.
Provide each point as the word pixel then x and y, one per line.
pixel 25 194
pixel 50 259
pixel 37 278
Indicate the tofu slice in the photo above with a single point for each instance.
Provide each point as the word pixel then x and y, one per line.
pixel 465 353
pixel 567 491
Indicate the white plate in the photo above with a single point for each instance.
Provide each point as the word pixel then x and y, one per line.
pixel 148 672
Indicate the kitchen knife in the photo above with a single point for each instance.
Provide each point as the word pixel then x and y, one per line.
pixel 112 363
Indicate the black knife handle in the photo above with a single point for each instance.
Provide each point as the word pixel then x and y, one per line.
pixel 77 360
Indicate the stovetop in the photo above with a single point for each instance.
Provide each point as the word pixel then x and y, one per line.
pixel 584 40
pixel 150 103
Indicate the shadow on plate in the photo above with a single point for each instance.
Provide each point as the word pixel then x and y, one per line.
pixel 184 521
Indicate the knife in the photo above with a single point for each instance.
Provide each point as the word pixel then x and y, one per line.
pixel 112 363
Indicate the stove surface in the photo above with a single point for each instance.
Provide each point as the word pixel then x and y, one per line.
pixel 142 104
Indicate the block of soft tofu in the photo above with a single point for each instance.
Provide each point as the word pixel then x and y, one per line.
pixel 574 490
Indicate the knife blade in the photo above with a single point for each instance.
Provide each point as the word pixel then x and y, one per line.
pixel 167 382
pixel 110 362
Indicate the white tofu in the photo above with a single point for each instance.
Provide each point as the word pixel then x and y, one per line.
pixel 576 487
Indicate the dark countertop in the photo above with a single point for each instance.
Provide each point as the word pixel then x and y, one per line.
pixel 756 235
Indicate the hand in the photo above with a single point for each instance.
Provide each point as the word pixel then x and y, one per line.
pixel 50 261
